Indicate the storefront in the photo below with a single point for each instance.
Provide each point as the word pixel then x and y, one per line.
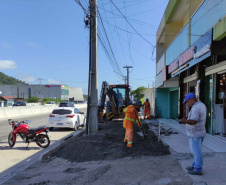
pixel 190 68
pixel 220 106
pixel 215 76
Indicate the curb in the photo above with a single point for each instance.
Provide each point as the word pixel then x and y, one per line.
pixel 55 147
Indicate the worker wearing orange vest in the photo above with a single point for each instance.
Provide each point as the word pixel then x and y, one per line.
pixel 147 108
pixel 131 116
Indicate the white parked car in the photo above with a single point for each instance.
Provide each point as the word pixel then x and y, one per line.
pixel 66 117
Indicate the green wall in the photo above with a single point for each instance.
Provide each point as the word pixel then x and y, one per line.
pixel 162 103
pixel 219 30
pixel 166 105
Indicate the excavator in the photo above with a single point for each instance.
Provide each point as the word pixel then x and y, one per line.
pixel 118 99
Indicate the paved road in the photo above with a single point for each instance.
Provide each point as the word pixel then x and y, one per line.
pixel 36 121
pixel 15 159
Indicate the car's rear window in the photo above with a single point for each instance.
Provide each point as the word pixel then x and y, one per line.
pixel 65 104
pixel 61 111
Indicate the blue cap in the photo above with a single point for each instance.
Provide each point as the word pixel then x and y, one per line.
pixel 189 96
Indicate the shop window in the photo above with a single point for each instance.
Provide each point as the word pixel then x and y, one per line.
pixel 221 102
pixel 221 94
pixel 208 101
pixel 222 82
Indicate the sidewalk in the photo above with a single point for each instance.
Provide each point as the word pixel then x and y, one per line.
pixel 145 170
pixel 214 152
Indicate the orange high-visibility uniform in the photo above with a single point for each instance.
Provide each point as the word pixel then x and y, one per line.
pixel 147 108
pixel 131 116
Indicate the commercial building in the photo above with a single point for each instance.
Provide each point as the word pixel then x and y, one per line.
pixel 191 58
pixel 41 91
pixel 76 94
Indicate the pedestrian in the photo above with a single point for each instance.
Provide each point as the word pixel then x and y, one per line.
pixel 131 116
pixel 196 131
pixel 147 108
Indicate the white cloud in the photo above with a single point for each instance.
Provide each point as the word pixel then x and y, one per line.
pixel 51 81
pixel 32 44
pixel 6 45
pixel 7 64
pixel 26 78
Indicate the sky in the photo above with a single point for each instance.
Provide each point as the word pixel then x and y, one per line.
pixel 47 41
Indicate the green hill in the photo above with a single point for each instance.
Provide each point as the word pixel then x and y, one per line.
pixel 4 79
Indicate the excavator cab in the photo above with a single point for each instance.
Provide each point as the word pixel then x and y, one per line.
pixel 118 99
pixel 122 94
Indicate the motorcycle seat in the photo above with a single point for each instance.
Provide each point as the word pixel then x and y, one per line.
pixel 33 130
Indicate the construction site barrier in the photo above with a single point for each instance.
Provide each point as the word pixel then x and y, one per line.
pixel 2 113
pixel 15 111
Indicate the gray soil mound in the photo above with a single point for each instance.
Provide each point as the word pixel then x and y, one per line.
pixel 107 144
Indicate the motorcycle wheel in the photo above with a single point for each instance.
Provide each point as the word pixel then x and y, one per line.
pixel 42 140
pixel 10 140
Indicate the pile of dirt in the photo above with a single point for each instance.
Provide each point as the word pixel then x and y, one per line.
pixel 107 144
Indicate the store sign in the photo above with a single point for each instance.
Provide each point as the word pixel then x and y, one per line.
pixel 173 66
pixel 64 86
pixel 186 56
pixel 199 51
pixel 202 51
pixel 52 86
pixel 182 59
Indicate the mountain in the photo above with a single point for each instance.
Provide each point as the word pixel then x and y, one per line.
pixel 4 79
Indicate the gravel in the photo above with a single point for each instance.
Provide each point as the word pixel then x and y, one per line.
pixel 103 158
pixel 108 144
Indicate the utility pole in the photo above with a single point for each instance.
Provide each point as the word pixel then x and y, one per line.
pixel 127 73
pixel 92 120
pixel 125 79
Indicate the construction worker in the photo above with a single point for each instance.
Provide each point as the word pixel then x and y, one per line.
pixel 147 108
pixel 131 116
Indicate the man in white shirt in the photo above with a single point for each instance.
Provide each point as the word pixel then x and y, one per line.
pixel 196 131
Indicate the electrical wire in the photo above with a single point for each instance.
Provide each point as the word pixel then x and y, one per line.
pixel 130 24
pixel 115 61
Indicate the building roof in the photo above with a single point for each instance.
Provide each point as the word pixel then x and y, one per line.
pixel 7 97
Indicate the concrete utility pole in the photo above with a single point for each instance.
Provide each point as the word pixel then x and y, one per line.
pixel 125 80
pixel 127 73
pixel 92 120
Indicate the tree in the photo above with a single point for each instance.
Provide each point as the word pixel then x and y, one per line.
pixel 56 100
pixel 32 99
pixel 138 93
pixel 4 79
pixel 85 97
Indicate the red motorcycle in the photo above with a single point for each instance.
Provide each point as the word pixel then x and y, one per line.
pixel 28 134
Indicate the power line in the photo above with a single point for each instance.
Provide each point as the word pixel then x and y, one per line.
pixel 115 61
pixel 131 25
pixel 114 41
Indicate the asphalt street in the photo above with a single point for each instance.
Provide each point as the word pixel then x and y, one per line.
pixel 15 159
pixel 36 121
